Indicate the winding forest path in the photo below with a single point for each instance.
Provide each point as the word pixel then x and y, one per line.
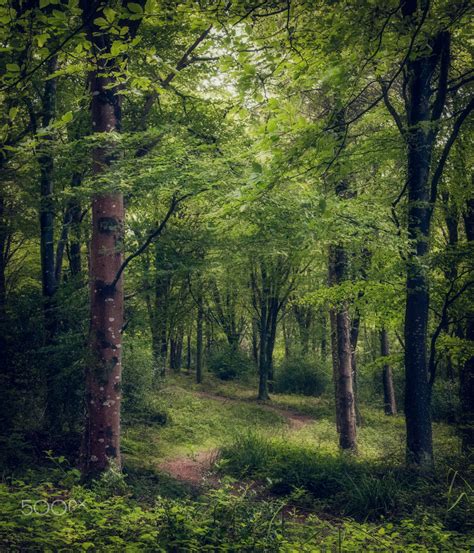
pixel 196 470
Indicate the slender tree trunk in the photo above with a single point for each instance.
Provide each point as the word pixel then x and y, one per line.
pixel 188 352
pixel 262 361
pixel 323 319
pixel 75 238
pixel 345 404
pixel 255 352
pixel 354 334
pixel 54 402
pixel 335 366
pixel 390 405
pixel 3 262
pixel 466 385
pixel 199 324
pixel 347 436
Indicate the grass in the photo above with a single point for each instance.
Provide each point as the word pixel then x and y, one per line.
pixel 344 502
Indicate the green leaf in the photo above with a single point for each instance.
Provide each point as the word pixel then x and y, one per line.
pixel 109 14
pixel 12 113
pixel 117 47
pixel 135 8
pixel 13 67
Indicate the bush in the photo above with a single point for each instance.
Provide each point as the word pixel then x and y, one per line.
pixel 228 363
pixel 222 520
pixel 300 375
pixel 137 376
pixel 445 401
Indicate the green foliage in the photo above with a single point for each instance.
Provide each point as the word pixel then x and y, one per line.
pixel 445 400
pixel 302 375
pixel 224 519
pixel 229 363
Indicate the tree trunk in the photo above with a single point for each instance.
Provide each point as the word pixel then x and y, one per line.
pixel 335 366
pixel 255 352
pixel 466 385
pixel 262 361
pixel 354 334
pixel 101 445
pixel 390 405
pixel 75 238
pixel 199 323
pixel 188 352
pixel 345 404
pixel 347 436
pixel 419 150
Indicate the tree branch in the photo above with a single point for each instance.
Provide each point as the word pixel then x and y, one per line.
pixel 175 201
pixel 447 148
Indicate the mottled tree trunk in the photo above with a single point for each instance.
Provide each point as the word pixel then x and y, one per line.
pixel 101 444
pixel 390 405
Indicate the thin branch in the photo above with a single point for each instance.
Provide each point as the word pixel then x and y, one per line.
pixel 175 201
pixel 391 109
pixel 447 148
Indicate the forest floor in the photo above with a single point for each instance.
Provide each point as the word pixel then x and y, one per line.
pixel 196 469
pixel 208 466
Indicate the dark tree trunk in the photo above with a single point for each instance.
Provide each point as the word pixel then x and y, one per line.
pixel 75 237
pixel 46 164
pixel 255 351
pixel 304 318
pixel 188 352
pixel 199 323
pixel 176 353
pixel 335 366
pixel 419 151
pixel 324 347
pixel 262 360
pixel 54 402
pixel 3 262
pixel 342 355
pixel 466 387
pixel 390 405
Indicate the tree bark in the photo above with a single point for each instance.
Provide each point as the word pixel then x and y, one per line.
pixel 342 357
pixel 188 351
pixel 466 384
pixel 101 443
pixel 354 335
pixel 199 324
pixel 390 406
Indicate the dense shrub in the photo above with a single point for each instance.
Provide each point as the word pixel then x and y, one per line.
pixel 344 484
pixel 300 375
pixel 228 363
pixel 223 520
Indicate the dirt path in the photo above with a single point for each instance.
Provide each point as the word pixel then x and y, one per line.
pixel 196 470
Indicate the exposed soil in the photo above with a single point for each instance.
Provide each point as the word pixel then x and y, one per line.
pixel 196 470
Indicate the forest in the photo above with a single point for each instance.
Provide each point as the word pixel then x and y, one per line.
pixel 236 275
